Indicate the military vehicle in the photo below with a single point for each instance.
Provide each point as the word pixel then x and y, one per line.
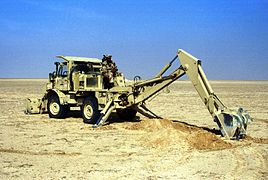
pixel 98 88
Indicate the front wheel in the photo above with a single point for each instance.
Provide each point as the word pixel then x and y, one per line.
pixel 90 111
pixel 55 109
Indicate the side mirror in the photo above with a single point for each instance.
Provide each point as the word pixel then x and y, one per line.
pixel 51 76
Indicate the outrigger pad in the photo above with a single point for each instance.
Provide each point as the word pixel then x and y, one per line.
pixel 233 124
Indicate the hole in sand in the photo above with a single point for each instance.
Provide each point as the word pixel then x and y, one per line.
pixel 163 133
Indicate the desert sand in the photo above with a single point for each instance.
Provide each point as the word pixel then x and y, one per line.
pixel 184 145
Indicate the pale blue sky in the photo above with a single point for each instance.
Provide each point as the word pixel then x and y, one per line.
pixel 230 36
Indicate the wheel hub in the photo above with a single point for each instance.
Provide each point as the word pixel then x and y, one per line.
pixel 88 111
pixel 54 108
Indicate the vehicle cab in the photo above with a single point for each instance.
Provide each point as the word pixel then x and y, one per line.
pixel 76 74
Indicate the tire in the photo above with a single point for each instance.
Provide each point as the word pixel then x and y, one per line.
pixel 90 110
pixel 126 114
pixel 55 109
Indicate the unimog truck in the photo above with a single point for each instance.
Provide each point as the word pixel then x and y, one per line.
pixel 98 89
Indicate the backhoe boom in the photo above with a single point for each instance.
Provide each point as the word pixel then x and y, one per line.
pixel 232 123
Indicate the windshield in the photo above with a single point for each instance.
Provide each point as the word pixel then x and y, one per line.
pixel 63 70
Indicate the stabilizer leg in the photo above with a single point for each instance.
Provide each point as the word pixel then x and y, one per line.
pixel 105 114
pixel 147 112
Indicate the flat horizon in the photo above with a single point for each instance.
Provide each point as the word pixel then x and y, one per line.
pixel 3 78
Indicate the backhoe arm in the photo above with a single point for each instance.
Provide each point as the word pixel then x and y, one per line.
pixel 232 123
pixel 194 71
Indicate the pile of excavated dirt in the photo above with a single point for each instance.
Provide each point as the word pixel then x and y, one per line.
pixel 203 140
pixel 150 125
pixel 164 133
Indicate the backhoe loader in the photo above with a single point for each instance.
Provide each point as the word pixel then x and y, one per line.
pixel 98 89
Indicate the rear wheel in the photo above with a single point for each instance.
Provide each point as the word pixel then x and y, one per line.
pixel 90 111
pixel 55 109
pixel 126 114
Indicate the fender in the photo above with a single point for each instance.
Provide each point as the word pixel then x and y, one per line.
pixel 62 97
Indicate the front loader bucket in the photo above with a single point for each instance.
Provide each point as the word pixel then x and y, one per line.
pixel 35 106
pixel 233 124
